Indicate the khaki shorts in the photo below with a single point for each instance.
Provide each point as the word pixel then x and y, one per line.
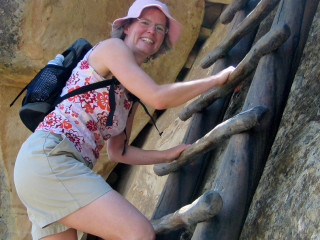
pixel 53 180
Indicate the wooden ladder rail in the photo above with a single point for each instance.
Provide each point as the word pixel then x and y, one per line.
pixel 250 22
pixel 228 14
pixel 243 121
pixel 202 209
pixel 265 45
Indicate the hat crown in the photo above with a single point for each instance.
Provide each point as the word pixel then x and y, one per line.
pixel 138 6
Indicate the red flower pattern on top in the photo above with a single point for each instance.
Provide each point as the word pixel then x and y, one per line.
pixel 103 101
pixel 96 152
pixel 102 121
pixel 87 80
pixel 88 101
pixel 74 79
pixel 75 137
pixel 73 99
pixel 66 124
pixel 106 137
pixel 53 120
pixel 91 125
pixel 97 136
pixel 74 114
pixel 84 64
pixel 127 104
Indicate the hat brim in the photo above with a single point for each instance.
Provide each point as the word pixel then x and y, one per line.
pixel 174 28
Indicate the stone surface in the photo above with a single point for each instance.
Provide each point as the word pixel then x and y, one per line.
pixel 34 31
pixel 286 204
pixel 14 223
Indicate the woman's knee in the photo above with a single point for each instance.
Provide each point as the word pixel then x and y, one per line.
pixel 120 218
pixel 68 234
pixel 144 231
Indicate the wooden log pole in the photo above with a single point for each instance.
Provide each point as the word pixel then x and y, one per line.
pixel 268 43
pixel 232 183
pixel 237 124
pixel 250 22
pixel 228 14
pixel 203 208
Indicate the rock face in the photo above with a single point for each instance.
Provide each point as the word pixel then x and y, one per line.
pixel 31 33
pixel 286 204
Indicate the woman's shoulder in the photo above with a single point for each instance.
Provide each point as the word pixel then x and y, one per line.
pixel 103 54
pixel 113 47
pixel 112 44
pixel 110 55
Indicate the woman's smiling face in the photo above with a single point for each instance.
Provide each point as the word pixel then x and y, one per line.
pixel 143 39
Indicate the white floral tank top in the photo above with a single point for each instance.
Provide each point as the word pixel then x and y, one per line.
pixel 82 118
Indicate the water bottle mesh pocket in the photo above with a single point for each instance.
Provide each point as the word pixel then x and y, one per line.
pixel 45 87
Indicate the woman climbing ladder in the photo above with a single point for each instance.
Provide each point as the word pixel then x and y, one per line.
pixel 53 175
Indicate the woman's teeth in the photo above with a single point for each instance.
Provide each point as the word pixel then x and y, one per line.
pixel 147 40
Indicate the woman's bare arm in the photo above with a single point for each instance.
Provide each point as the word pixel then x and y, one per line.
pixel 115 56
pixel 138 156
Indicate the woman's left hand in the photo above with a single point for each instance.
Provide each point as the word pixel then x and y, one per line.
pixel 172 154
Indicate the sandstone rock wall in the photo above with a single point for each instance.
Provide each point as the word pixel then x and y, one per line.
pixel 286 204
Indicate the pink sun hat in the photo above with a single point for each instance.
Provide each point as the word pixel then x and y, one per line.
pixel 136 9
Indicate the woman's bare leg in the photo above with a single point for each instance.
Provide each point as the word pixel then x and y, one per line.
pixel 70 234
pixel 111 217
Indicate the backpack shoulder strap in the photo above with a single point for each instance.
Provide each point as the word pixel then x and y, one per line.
pixel 87 88
pixel 109 82
pixel 136 99
pixel 147 112
pixel 19 95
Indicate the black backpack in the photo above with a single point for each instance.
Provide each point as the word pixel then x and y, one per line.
pixel 43 91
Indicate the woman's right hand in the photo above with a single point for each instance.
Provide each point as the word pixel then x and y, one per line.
pixel 222 76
